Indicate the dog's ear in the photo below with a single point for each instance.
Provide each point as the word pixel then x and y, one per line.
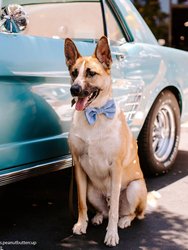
pixel 71 53
pixel 102 52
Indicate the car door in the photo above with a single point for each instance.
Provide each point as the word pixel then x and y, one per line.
pixel 136 64
pixel 35 101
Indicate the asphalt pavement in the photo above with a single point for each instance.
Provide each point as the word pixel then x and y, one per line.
pixel 34 214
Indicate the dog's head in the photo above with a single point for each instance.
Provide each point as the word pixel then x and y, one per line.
pixel 91 81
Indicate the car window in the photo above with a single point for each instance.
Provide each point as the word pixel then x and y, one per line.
pixel 136 24
pixel 78 20
pixel 114 31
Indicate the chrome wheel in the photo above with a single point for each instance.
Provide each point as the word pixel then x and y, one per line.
pixel 163 133
pixel 159 138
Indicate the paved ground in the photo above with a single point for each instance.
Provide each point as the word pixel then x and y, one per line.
pixel 35 214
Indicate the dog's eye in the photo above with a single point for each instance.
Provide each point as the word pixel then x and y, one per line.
pixel 74 73
pixel 90 73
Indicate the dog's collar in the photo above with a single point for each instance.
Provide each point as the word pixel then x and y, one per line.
pixel 109 110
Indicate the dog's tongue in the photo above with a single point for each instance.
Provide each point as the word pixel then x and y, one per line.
pixel 81 103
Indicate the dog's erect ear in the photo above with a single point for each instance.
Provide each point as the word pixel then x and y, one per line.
pixel 71 52
pixel 102 52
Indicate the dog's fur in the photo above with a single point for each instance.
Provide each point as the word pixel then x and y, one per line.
pixel 107 168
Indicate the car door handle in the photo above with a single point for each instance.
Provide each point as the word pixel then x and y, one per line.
pixel 119 56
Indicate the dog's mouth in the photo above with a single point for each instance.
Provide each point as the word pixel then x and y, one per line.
pixel 85 98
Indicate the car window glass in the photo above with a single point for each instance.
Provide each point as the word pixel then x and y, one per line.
pixel 78 20
pixel 137 26
pixel 114 32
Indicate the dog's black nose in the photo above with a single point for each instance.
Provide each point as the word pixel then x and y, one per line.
pixel 75 90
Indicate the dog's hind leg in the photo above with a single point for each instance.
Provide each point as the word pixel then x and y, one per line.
pixel 132 203
pixel 98 201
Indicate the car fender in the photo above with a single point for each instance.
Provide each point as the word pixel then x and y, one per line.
pixel 148 100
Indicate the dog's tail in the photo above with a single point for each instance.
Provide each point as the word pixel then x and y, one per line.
pixel 152 200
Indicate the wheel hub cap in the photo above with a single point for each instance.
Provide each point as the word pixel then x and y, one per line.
pixel 163 133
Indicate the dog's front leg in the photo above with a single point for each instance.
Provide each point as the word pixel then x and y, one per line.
pixel 81 180
pixel 112 238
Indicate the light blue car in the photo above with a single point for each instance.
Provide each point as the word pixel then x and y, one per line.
pixel 150 82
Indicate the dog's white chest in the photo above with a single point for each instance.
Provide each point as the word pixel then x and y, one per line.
pixel 96 146
pixel 96 161
pixel 96 158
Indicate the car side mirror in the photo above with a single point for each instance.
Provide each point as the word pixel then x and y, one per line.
pixel 13 19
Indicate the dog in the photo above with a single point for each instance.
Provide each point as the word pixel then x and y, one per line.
pixel 104 151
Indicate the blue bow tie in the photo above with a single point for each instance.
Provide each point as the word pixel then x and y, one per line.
pixel 109 110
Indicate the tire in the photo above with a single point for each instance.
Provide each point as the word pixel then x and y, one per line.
pixel 159 138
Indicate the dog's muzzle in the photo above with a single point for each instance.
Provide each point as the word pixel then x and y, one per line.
pixel 84 97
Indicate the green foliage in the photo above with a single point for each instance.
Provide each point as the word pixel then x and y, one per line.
pixel 156 19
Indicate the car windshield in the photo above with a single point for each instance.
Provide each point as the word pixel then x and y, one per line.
pixel 25 2
pixel 55 19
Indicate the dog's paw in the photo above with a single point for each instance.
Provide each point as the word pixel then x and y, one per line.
pixel 97 219
pixel 80 228
pixel 125 221
pixel 111 238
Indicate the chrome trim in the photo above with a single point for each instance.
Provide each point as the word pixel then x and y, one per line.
pixel 44 168
pixel 130 104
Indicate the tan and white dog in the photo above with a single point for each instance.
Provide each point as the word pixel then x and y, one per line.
pixel 107 169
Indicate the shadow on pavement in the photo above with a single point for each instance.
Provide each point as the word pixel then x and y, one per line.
pixel 179 170
pixel 37 210
pixel 159 230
